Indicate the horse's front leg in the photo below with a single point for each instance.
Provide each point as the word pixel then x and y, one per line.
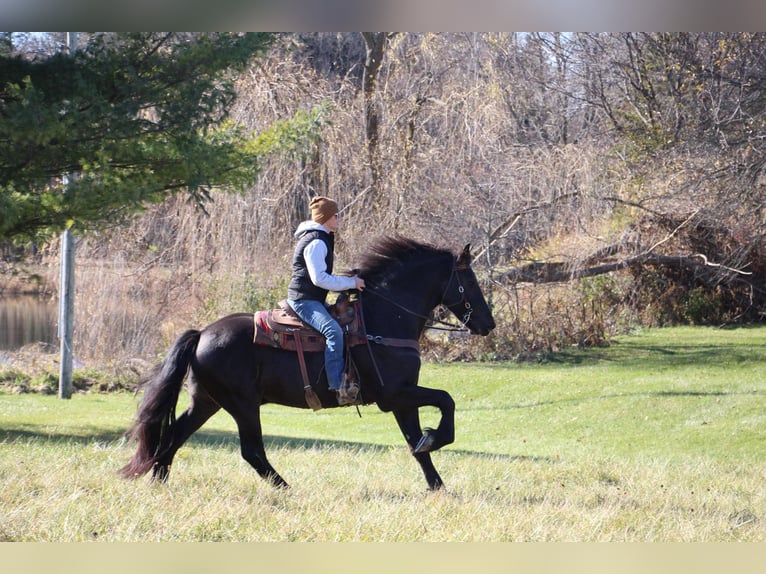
pixel 416 397
pixel 409 422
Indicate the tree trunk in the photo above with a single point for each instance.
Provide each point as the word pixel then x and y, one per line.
pixel 376 43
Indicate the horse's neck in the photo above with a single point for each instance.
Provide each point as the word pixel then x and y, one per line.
pixel 403 310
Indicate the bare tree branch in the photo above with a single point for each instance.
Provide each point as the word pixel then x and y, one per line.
pixel 510 221
pixel 558 271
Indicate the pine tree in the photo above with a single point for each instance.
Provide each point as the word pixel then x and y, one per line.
pixel 135 116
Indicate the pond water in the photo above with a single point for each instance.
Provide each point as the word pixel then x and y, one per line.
pixel 25 320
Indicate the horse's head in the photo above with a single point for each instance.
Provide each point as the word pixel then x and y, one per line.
pixel 403 274
pixel 463 296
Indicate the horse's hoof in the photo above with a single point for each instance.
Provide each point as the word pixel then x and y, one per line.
pixel 425 443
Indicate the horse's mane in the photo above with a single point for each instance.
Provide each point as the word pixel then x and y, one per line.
pixel 390 253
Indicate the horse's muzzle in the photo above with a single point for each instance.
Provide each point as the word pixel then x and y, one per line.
pixel 483 330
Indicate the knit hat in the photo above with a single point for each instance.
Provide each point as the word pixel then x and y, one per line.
pixel 322 208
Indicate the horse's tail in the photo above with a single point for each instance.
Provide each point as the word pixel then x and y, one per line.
pixel 152 428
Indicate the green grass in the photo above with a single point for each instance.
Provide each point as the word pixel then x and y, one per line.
pixel 659 437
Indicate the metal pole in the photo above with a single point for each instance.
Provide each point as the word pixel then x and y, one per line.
pixel 66 313
pixel 66 287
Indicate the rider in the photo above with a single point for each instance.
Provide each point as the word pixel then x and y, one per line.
pixel 311 280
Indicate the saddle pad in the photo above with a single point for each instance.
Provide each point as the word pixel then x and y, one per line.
pixel 282 335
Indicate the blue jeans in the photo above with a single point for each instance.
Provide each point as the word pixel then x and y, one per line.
pixel 316 314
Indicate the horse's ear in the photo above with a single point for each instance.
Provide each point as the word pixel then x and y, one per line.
pixel 465 257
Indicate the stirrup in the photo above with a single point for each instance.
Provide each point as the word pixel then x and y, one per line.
pixel 348 394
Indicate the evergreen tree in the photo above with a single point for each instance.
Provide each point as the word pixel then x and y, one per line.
pixel 135 116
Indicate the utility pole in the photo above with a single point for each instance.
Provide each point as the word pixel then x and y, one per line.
pixel 66 285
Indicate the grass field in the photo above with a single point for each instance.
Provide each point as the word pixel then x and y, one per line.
pixel 660 437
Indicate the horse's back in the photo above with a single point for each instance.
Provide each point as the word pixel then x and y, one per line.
pixel 235 321
pixel 227 335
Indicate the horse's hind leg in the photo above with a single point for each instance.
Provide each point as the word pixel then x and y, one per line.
pixel 200 409
pixel 408 420
pixel 252 449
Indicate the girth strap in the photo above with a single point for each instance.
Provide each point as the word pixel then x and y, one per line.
pixel 392 342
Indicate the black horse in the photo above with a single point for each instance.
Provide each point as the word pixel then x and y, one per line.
pixel 406 280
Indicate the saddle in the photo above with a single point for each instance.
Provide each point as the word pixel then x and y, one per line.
pixel 283 329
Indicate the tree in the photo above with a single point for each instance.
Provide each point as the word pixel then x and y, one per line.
pixel 138 116
pixel 376 45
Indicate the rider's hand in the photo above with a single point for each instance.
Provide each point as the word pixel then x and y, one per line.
pixel 358 283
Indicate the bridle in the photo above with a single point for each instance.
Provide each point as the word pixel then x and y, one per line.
pixel 466 303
